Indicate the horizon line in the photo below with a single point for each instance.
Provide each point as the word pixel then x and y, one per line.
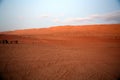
pixel 61 26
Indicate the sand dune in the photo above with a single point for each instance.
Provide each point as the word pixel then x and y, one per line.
pixel 90 52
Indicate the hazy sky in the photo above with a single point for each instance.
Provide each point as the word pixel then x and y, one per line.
pixel 22 14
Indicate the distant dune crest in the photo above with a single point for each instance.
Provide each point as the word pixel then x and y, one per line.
pixel 110 28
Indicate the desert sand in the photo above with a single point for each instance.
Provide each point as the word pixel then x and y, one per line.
pixel 89 52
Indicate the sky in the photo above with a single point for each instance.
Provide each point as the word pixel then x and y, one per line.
pixel 25 14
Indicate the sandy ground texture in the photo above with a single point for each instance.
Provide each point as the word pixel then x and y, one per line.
pixel 89 52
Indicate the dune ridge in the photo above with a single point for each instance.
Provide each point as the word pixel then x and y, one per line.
pixel 90 52
pixel 109 32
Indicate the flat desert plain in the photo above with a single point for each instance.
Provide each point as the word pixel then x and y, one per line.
pixel 89 52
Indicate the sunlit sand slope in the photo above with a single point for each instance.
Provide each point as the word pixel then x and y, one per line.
pixel 89 52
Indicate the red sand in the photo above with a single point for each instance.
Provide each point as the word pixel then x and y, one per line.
pixel 62 53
